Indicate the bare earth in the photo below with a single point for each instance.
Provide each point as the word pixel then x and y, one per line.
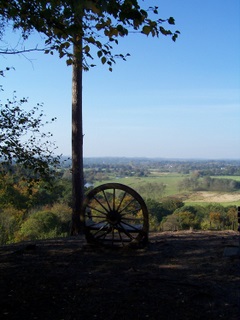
pixel 216 197
pixel 181 275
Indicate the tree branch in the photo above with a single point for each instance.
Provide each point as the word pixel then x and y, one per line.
pixel 20 51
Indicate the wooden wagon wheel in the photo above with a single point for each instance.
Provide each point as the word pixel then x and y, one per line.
pixel 115 214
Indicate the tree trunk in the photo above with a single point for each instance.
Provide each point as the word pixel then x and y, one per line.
pixel 77 142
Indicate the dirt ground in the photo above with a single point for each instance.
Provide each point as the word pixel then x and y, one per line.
pixel 181 275
pixel 214 197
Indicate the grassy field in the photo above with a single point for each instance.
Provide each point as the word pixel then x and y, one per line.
pixel 236 178
pixel 224 204
pixel 171 180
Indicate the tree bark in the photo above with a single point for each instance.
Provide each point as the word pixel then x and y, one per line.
pixel 77 142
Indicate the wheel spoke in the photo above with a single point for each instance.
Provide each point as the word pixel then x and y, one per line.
pixel 109 207
pixel 119 206
pixel 133 219
pixel 99 223
pixel 98 216
pixel 101 204
pixel 104 234
pixel 112 235
pixel 127 205
pixel 130 225
pixel 127 233
pixel 120 236
pixel 94 208
pixel 114 198
pixel 99 230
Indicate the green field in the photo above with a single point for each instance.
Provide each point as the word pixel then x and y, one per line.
pixel 224 204
pixel 171 180
pixel 236 178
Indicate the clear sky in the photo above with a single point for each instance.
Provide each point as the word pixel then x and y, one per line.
pixel 171 100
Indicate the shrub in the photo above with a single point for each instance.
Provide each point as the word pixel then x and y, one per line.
pixel 40 225
pixel 10 220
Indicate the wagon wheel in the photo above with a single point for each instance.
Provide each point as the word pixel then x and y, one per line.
pixel 115 214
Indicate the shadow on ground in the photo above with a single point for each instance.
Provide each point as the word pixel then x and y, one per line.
pixel 181 275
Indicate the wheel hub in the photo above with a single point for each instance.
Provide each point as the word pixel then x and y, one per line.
pixel 114 217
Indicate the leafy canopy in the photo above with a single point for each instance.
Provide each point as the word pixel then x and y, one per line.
pixel 94 26
pixel 23 141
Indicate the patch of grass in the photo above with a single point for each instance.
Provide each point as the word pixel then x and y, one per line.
pixel 204 204
pixel 236 178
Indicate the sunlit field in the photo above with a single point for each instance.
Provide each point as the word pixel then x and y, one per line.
pixel 171 182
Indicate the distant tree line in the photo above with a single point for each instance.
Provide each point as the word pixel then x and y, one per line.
pixel 204 167
pixel 207 183
pixel 104 172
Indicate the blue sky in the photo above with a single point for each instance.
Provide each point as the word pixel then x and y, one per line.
pixel 171 100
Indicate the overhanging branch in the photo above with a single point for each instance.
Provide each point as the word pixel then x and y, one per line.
pixel 20 51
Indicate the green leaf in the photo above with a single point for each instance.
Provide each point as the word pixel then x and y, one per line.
pixel 69 62
pixel 99 53
pixel 171 20
pixel 146 30
pixel 86 49
pixel 61 54
pixel 103 60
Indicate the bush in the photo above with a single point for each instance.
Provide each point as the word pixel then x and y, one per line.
pixel 64 214
pixel 10 220
pixel 40 225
